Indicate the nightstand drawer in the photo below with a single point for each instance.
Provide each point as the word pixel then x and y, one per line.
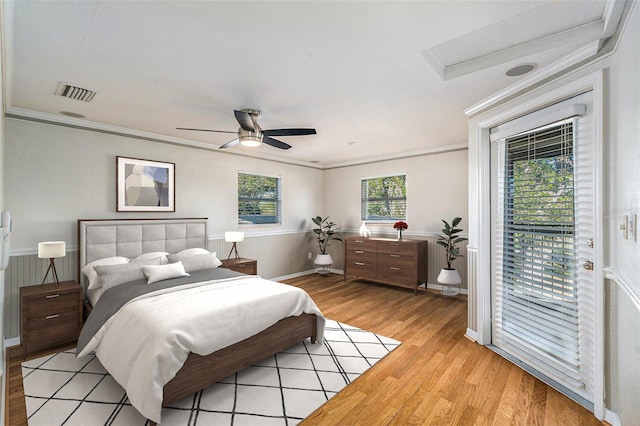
pixel 49 304
pixel 50 322
pixel 246 266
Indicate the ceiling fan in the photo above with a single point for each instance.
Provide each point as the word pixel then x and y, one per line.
pixel 251 134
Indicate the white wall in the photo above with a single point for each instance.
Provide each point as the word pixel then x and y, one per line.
pixel 622 134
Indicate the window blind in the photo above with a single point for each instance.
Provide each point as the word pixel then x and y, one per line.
pixel 543 312
pixel 384 198
pixel 259 199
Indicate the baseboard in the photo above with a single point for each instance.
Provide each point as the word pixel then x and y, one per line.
pixel 14 341
pixel 611 418
pixel 439 287
pixel 471 335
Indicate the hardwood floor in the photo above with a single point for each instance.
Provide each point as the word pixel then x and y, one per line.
pixel 436 376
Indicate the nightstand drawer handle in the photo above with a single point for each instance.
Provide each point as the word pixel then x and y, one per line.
pixel 359 263
pixel 53 316
pixel 51 296
pixel 359 252
pixel 394 255
pixel 393 268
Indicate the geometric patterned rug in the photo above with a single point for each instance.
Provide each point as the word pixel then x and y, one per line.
pixel 281 390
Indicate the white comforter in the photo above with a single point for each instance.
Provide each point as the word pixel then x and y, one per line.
pixel 145 343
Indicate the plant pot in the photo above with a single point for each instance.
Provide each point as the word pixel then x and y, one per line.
pixel 450 279
pixel 323 263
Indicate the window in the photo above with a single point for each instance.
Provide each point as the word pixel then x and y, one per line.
pixel 258 199
pixel 384 198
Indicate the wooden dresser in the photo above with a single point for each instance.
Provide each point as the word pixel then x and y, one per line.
pixel 401 263
pixel 50 315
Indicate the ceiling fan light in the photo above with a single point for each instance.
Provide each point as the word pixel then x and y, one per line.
pixel 250 141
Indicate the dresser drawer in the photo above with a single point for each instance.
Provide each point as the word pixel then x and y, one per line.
pixel 395 259
pixel 397 247
pixel 362 244
pixel 362 268
pixel 397 275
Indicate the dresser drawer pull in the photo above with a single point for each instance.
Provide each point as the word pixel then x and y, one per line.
pixel 53 316
pixel 359 241
pixel 359 251
pixel 51 296
pixel 393 268
pixel 394 255
pixel 359 263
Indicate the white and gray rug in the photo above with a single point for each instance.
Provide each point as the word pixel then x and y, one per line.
pixel 282 390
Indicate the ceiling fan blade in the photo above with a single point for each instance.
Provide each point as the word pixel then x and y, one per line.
pixel 245 120
pixel 229 144
pixel 289 132
pixel 205 130
pixel 275 142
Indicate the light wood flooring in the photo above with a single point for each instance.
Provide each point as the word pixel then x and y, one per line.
pixel 436 376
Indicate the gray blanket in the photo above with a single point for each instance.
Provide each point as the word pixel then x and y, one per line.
pixel 115 298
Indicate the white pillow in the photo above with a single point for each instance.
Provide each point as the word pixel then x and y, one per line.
pixel 113 275
pixel 164 272
pixel 143 258
pixel 89 271
pixel 192 251
pixel 196 262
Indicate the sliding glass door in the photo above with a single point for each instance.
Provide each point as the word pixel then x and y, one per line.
pixel 542 214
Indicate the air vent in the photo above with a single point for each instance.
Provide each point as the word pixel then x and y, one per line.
pixel 75 92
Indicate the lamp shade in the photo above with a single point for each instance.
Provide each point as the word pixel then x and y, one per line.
pixel 233 236
pixel 51 249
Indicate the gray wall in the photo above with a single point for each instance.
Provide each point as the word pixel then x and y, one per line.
pixel 55 175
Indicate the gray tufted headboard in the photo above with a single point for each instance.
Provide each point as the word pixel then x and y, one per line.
pixel 100 238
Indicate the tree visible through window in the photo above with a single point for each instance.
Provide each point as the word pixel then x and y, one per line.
pixel 258 199
pixel 384 198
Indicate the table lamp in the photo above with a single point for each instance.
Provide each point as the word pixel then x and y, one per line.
pixel 234 237
pixel 50 250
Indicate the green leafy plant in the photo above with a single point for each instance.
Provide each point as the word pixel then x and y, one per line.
pixel 324 232
pixel 450 240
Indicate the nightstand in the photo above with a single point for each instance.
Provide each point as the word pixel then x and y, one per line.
pixel 246 266
pixel 50 315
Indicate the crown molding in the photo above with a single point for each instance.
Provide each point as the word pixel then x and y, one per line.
pixel 82 124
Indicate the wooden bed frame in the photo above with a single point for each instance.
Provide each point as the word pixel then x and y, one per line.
pixel 199 372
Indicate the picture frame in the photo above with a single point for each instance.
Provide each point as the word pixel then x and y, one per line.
pixel 144 185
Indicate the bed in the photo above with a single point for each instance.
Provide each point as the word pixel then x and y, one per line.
pixel 261 318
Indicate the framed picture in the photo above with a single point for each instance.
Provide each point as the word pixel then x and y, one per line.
pixel 145 186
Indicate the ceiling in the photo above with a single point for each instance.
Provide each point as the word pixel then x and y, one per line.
pixel 376 79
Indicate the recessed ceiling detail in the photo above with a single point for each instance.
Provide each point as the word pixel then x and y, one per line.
pixel 519 70
pixel 74 92
pixel 515 37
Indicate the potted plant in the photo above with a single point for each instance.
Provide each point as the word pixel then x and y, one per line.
pixel 449 276
pixel 325 232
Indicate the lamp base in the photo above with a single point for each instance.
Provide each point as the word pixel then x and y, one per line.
pixel 52 265
pixel 234 249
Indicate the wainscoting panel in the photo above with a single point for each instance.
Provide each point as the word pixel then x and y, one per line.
pixel 472 281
